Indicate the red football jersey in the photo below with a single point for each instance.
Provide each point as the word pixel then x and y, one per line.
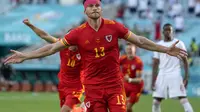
pixel 131 67
pixel 99 52
pixel 70 67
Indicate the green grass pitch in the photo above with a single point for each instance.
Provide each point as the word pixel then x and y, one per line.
pixel 48 102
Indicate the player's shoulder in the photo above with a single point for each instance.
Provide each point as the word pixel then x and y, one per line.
pixel 138 59
pixel 123 57
pixel 181 43
pixel 80 27
pixel 109 22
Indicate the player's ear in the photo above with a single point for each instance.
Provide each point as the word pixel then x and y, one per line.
pixel 84 11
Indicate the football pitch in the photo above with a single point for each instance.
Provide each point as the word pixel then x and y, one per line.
pixel 48 102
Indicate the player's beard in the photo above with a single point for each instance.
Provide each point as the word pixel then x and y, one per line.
pixel 94 16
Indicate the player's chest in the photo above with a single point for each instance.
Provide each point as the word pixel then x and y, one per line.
pixel 130 66
pixel 103 38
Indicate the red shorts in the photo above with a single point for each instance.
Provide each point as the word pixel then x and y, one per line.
pixel 100 100
pixel 133 92
pixel 69 96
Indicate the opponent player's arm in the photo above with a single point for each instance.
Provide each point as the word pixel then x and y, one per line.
pixel 42 34
pixel 145 43
pixel 186 69
pixel 155 70
pixel 46 50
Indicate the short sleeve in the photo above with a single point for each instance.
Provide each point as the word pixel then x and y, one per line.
pixel 70 38
pixel 156 55
pixel 121 59
pixel 140 65
pixel 123 32
pixel 182 45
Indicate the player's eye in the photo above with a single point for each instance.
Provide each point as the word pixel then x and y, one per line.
pixel 90 5
pixel 97 5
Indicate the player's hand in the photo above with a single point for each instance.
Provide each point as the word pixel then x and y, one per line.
pixel 177 52
pixel 16 57
pixel 126 77
pixel 153 88
pixel 26 21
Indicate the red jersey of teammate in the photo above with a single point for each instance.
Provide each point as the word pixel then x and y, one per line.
pixel 99 52
pixel 69 74
pixel 131 67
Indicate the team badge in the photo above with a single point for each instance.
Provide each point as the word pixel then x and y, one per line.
pixel 108 38
pixel 78 56
pixel 87 104
pixel 132 67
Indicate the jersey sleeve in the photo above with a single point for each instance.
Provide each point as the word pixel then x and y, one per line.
pixel 70 38
pixel 121 59
pixel 140 65
pixel 156 55
pixel 123 32
pixel 182 45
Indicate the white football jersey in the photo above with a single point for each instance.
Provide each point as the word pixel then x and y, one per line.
pixel 169 64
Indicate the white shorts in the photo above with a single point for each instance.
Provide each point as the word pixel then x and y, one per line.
pixel 169 86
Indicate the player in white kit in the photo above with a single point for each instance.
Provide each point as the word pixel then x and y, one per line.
pixel 169 82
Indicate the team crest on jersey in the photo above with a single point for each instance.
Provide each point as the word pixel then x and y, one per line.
pixel 108 38
pixel 87 104
pixel 132 67
pixel 78 56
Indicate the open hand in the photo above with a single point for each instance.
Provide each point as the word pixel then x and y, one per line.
pixel 177 52
pixel 16 57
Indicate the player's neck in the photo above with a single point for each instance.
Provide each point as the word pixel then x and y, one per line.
pixel 95 23
pixel 168 39
pixel 130 57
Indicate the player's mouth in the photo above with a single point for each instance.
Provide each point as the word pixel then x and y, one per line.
pixel 94 12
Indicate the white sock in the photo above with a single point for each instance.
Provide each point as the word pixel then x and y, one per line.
pixel 186 105
pixel 156 106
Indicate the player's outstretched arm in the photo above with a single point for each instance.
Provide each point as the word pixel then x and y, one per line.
pixel 46 50
pixel 145 43
pixel 42 34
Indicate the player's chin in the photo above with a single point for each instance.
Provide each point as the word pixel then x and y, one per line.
pixel 95 16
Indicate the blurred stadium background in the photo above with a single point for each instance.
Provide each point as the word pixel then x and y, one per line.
pixel 32 85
